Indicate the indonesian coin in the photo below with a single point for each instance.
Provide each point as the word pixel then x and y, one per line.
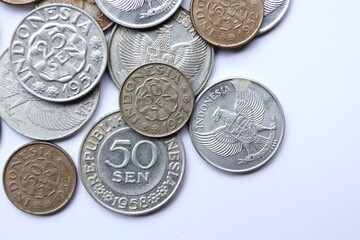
pixel 88 6
pixel 175 43
pixel 138 13
pixel 58 53
pixel 18 2
pixel 36 118
pixel 156 100
pixel 39 178
pixel 227 23
pixel 127 172
pixel 237 125
pixel 274 12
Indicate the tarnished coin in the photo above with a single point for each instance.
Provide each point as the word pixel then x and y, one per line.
pixel 127 172
pixel 88 6
pixel 156 100
pixel 227 23
pixel 36 118
pixel 175 43
pixel 138 13
pixel 58 53
pixel 274 12
pixel 18 2
pixel 237 125
pixel 39 178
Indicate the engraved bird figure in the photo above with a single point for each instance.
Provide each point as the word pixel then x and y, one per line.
pixel 271 5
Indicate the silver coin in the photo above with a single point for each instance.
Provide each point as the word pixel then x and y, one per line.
pixel 36 118
pixel 58 53
pixel 175 43
pixel 127 172
pixel 274 12
pixel 237 125
pixel 138 13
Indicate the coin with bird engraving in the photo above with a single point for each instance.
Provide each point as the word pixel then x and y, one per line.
pixel 274 12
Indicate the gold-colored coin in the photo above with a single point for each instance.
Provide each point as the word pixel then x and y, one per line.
pixel 156 100
pixel 19 2
pixel 39 178
pixel 229 23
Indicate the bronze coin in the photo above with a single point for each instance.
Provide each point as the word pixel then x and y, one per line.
pixel 39 178
pixel 229 23
pixel 19 2
pixel 156 100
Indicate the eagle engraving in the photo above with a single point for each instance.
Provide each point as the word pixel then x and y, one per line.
pixel 271 5
pixel 242 128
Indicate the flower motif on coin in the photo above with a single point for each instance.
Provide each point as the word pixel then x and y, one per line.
pixel 108 196
pixel 184 88
pixel 52 91
pixel 99 189
pixel 162 190
pixel 145 126
pixel 153 198
pixel 97 56
pixel 39 87
pixel 231 37
pixel 95 42
pixel 186 98
pixel 155 129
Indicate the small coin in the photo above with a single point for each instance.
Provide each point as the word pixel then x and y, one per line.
pixel 274 12
pixel 175 43
pixel 36 118
pixel 39 178
pixel 19 2
pixel 237 125
pixel 156 100
pixel 227 23
pixel 58 53
pixel 138 13
pixel 88 6
pixel 127 172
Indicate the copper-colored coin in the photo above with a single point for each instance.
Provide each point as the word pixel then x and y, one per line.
pixel 230 23
pixel 156 100
pixel 39 178
pixel 19 2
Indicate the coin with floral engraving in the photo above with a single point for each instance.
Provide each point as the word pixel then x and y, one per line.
pixel 175 42
pixel 39 178
pixel 156 100
pixel 237 125
pixel 18 2
pixel 37 118
pixel 127 172
pixel 274 12
pixel 227 23
pixel 138 13
pixel 58 53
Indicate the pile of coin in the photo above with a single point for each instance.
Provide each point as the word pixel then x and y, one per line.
pixel 160 57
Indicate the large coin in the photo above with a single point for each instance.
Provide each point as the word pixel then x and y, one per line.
pixel 237 125
pixel 274 12
pixel 227 23
pixel 58 53
pixel 138 13
pixel 127 172
pixel 39 178
pixel 156 100
pixel 18 2
pixel 174 42
pixel 88 6
pixel 36 118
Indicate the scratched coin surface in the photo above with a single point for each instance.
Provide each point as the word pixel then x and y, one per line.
pixel 156 100
pixel 39 178
pixel 36 118
pixel 138 13
pixel 18 2
pixel 58 53
pixel 88 6
pixel 175 43
pixel 227 23
pixel 274 12
pixel 127 172
pixel 237 125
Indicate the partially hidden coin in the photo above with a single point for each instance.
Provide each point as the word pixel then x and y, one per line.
pixel 127 172
pixel 138 13
pixel 274 12
pixel 175 43
pixel 227 23
pixel 88 6
pixel 36 118
pixel 18 2
pixel 237 125
pixel 156 100
pixel 39 178
pixel 58 53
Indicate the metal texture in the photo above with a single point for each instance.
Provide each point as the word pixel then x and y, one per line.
pixel 18 2
pixel 274 12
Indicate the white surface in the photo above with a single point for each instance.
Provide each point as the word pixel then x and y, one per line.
pixel 309 190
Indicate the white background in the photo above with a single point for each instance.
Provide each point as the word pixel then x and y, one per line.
pixel 309 190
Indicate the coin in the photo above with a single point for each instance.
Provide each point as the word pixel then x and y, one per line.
pixel 138 13
pixel 274 12
pixel 237 125
pixel 156 100
pixel 88 6
pixel 127 172
pixel 58 53
pixel 36 118
pixel 175 43
pixel 18 2
pixel 39 178
pixel 227 23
